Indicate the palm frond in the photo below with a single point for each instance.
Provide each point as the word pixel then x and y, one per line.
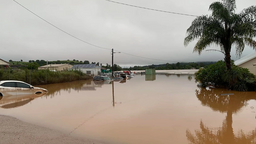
pixel 196 29
pixel 202 43
pixel 239 42
pixel 251 42
pixel 249 13
pixel 219 11
pixel 230 5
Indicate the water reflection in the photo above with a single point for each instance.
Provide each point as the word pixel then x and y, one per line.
pixel 123 81
pixel 113 94
pixel 190 77
pixel 83 85
pixel 14 101
pixel 225 102
pixel 150 77
pixel 141 112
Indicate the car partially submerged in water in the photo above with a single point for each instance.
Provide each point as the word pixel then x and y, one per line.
pixel 16 88
pixel 101 78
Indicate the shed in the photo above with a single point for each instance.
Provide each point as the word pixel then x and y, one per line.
pixel 4 63
pixel 90 69
pixel 150 71
pixel 56 67
pixel 248 61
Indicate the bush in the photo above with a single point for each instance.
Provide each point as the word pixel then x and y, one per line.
pixel 38 77
pixel 236 79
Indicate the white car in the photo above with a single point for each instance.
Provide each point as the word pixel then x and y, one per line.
pixel 13 87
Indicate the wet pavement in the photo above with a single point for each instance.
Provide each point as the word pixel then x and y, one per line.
pixel 144 110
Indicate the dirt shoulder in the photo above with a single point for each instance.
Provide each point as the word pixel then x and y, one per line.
pixel 14 131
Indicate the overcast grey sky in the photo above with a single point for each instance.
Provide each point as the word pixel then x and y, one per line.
pixel 127 29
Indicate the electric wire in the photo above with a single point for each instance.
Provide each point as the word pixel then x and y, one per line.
pixel 81 39
pixel 146 8
pixel 60 28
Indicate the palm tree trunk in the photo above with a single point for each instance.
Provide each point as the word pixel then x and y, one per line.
pixel 228 60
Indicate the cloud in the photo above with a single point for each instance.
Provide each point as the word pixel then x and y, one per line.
pixel 139 32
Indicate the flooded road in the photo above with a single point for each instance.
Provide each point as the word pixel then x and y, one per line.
pixel 144 110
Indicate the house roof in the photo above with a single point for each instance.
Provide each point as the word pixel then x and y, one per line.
pixel 53 65
pixel 245 59
pixel 85 66
pixel 3 62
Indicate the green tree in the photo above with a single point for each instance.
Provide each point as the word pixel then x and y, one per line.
pixel 32 65
pixel 116 67
pixel 224 28
pixel 86 62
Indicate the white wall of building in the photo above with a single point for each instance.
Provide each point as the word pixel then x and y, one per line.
pixel 91 71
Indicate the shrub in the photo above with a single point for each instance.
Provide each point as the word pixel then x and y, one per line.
pixel 38 77
pixel 236 79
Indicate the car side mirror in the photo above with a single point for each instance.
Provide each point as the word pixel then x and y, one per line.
pixel 31 87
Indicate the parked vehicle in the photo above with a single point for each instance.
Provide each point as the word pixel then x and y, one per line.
pixel 101 78
pixel 13 87
pixel 117 79
pixel 129 74
pixel 123 75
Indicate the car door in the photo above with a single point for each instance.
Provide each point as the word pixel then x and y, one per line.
pixel 23 89
pixel 8 88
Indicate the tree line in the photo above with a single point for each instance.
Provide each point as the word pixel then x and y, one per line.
pixel 34 64
pixel 178 65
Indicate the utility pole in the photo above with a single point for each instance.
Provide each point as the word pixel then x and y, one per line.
pixel 112 63
pixel 46 71
pixel 9 72
pixel 112 52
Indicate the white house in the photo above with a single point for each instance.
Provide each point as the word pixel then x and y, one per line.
pixel 248 61
pixel 90 69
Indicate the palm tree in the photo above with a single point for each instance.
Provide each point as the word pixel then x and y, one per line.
pixel 224 28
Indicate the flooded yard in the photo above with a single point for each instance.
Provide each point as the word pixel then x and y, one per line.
pixel 144 110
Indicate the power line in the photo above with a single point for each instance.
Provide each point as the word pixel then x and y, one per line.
pixel 79 38
pixel 60 28
pixel 146 8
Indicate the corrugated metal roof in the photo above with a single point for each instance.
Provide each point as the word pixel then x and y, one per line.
pixel 79 66
pixel 245 59
pixel 53 65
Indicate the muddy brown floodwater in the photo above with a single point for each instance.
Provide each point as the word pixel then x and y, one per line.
pixel 144 110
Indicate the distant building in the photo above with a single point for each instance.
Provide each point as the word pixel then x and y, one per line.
pixel 4 64
pixel 56 67
pixel 150 74
pixel 248 61
pixel 90 69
